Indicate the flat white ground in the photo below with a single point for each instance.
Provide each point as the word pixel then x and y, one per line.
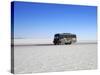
pixel 50 58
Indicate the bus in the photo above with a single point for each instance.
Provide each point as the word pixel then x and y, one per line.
pixel 64 38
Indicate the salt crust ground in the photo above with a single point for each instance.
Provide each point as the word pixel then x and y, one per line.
pixel 51 58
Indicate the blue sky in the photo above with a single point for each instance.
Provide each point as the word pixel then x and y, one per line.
pixel 43 20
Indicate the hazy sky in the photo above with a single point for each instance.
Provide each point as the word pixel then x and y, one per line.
pixel 42 20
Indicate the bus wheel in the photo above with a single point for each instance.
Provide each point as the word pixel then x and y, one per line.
pixel 70 42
